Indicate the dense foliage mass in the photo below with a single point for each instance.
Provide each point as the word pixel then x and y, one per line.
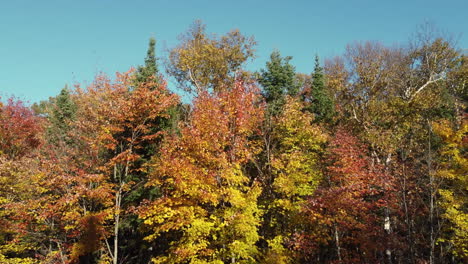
pixel 362 161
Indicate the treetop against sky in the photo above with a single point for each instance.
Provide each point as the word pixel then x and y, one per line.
pixel 47 44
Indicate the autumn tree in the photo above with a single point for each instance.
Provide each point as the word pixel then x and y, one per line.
pixel 453 191
pixel 81 204
pixel 292 174
pixel 114 124
pixel 202 62
pixel 208 210
pixel 346 212
pixel 389 96
pixel 367 163
pixel 18 129
pixel 20 136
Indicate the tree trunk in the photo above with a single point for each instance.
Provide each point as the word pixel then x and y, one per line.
pixel 118 200
pixel 431 194
pixel 337 242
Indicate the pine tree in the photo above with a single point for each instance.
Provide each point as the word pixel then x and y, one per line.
pixel 62 113
pixel 144 73
pixel 65 109
pixel 319 101
pixel 278 80
pixel 149 73
pixel 146 76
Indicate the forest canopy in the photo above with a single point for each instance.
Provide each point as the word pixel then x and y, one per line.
pixel 361 160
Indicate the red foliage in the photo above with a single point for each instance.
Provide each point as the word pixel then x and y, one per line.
pixel 351 203
pixel 19 128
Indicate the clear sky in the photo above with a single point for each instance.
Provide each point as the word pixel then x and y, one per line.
pixel 45 44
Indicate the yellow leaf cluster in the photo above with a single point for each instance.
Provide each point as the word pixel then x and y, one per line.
pixel 454 198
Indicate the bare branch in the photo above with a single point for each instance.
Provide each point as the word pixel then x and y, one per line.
pixel 108 248
pixel 431 80
pixel 194 80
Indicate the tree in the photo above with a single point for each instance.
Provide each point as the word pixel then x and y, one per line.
pixel 389 97
pixel 202 62
pixel 294 175
pixel 367 164
pixel 208 210
pixel 20 136
pixel 115 124
pixel 21 230
pixel 347 210
pixel 62 114
pixel 19 129
pixel 150 69
pixel 317 98
pixel 453 192
pixel 278 80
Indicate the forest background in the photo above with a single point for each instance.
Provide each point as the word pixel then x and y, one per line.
pixel 362 159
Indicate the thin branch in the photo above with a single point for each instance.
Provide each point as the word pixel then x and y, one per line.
pixel 194 80
pixel 108 248
pixel 430 81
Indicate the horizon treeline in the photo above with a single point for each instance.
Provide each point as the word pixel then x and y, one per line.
pixel 363 160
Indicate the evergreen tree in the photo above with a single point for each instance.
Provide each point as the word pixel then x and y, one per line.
pixel 318 100
pixel 65 109
pixel 132 242
pixel 144 73
pixel 62 113
pixel 278 80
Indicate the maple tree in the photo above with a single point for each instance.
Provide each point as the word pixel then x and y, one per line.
pixel 347 210
pixel 20 136
pixel 19 129
pixel 114 124
pixel 80 199
pixel 207 199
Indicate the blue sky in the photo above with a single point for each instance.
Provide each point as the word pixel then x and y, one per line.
pixel 45 44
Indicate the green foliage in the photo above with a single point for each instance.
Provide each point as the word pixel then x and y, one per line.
pixel 62 114
pixel 317 98
pixel 150 69
pixel 278 80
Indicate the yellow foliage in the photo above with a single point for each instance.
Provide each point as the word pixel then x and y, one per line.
pixel 277 253
pixel 200 62
pixel 296 173
pixel 15 248
pixel 5 260
pixel 296 162
pixel 208 200
pixel 454 198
